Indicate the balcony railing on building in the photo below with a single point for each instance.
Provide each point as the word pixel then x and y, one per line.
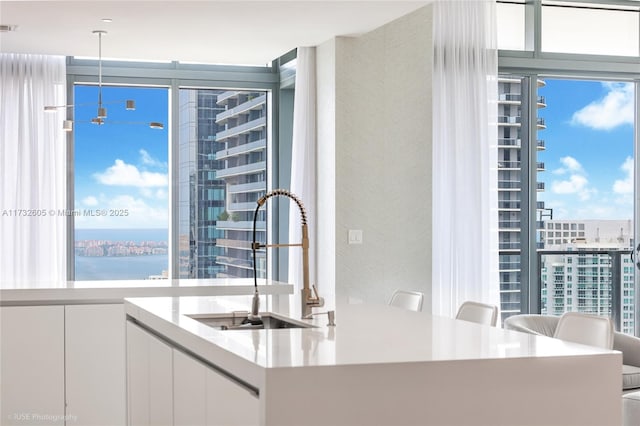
pixel 255 103
pixel 509 184
pixel 508 142
pixel 242 128
pixel 246 148
pixel 509 205
pixel 241 170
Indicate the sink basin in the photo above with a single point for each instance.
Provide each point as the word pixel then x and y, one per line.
pixel 238 321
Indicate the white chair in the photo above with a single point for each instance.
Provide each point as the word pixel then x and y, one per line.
pixel 411 300
pixel 481 313
pixel 545 325
pixel 592 330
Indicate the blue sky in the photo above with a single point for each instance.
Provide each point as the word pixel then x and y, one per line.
pixel 589 149
pixel 122 164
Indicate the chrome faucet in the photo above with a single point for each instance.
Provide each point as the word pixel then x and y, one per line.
pixel 308 299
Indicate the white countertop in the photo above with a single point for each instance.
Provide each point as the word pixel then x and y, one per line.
pixel 364 334
pixel 114 291
pixel 382 365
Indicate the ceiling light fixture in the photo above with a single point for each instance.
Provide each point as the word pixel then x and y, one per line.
pixel 101 115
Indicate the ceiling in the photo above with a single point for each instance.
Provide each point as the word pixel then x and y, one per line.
pixel 207 31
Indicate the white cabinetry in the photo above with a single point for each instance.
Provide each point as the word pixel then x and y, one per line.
pixel 189 390
pixel 229 404
pixel 180 390
pixel 57 355
pixel 95 364
pixel 203 396
pixel 149 378
pixel 32 365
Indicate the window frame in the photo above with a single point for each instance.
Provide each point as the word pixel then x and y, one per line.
pixel 175 76
pixel 534 64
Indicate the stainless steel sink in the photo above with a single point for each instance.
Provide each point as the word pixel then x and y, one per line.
pixel 239 321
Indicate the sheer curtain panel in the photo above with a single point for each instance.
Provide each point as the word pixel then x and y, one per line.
pixel 303 164
pixel 33 173
pixel 465 197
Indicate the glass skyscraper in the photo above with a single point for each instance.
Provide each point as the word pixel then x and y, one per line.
pixel 223 171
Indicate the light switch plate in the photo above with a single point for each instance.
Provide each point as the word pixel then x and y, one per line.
pixel 355 236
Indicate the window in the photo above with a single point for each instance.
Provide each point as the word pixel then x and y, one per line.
pixel 511 31
pixel 562 178
pixel 591 180
pixel 214 146
pixel 224 132
pixel 121 185
pixel 605 29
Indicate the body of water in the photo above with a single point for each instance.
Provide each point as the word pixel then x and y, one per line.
pixel 124 267
pixel 120 268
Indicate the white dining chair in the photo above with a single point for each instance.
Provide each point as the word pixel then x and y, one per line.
pixel 592 330
pixel 410 300
pixel 481 313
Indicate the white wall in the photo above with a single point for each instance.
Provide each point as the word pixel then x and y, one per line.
pixel 374 160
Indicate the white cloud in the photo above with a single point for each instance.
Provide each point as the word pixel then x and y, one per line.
pixel 161 194
pixel 613 110
pixel 90 201
pixel 128 212
pixel 573 185
pixel 158 194
pixel 569 164
pixel 574 197
pixel 123 174
pixel 625 186
pixel 148 160
pixel 576 183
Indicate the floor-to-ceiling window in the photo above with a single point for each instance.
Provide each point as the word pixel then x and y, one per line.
pixel 568 123
pixel 174 199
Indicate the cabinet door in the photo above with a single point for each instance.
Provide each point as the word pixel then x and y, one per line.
pixel 32 364
pixel 203 396
pixel 228 403
pixel 95 363
pixel 160 382
pixel 189 390
pixel 149 379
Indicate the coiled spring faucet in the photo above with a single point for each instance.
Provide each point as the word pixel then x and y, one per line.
pixel 309 300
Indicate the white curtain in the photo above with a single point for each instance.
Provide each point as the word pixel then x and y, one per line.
pixel 465 197
pixel 33 171
pixel 303 164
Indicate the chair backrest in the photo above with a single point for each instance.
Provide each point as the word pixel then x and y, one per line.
pixel 411 300
pixel 543 325
pixel 592 330
pixel 482 313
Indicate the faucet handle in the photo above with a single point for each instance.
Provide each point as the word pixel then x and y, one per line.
pixel 315 299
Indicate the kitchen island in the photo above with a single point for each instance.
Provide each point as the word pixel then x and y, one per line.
pixel 378 365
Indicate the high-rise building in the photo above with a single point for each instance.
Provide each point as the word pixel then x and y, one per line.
pixel 243 168
pixel 596 252
pixel 223 148
pixel 510 189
